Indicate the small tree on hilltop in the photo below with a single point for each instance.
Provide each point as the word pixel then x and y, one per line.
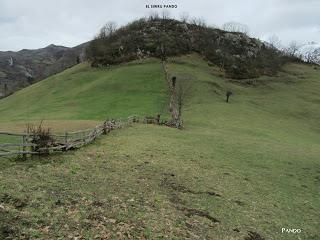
pixel 274 41
pixel 185 17
pixel 235 27
pixel 165 14
pixel 292 49
pixel 199 22
pixel 107 30
pixel 153 15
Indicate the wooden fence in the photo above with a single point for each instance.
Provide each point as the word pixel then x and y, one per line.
pixel 26 143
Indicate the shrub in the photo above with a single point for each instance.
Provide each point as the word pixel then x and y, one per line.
pixel 40 136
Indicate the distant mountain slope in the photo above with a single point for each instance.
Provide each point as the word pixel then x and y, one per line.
pixel 22 68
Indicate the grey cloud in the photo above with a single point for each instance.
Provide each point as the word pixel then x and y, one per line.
pixel 38 23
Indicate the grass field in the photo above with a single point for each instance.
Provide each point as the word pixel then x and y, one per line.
pixel 250 165
pixel 85 93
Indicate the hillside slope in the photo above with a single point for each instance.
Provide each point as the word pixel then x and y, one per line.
pixel 250 167
pixel 23 68
pixel 85 93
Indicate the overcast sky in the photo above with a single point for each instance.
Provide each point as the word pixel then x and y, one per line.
pixel 37 23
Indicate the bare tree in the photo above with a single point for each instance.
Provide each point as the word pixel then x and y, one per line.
pixel 292 48
pixel 185 17
pixel 182 90
pixel 274 41
pixel 235 27
pixel 165 14
pixel 107 30
pixel 153 15
pixel 200 22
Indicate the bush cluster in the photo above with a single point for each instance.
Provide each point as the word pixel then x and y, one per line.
pixel 239 55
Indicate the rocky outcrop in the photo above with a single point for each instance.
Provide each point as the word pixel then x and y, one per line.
pixel 309 52
pixel 25 67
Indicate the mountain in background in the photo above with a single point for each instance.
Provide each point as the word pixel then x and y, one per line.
pixel 25 67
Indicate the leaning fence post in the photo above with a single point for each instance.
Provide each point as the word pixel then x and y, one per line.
pixel 105 127
pixel 24 142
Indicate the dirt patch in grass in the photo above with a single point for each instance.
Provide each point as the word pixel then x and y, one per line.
pixel 240 203
pixel 189 212
pixel 9 224
pixel 253 236
pixel 15 202
pixel 172 184
pixel 217 89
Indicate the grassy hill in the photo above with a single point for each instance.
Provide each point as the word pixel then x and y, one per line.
pixel 85 93
pixel 252 164
pixel 239 55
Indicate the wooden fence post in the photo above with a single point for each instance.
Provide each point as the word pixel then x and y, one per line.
pixel 66 140
pixel 24 155
pixel 62 143
pixel 105 127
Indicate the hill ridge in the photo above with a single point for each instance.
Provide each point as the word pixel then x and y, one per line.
pixel 239 55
